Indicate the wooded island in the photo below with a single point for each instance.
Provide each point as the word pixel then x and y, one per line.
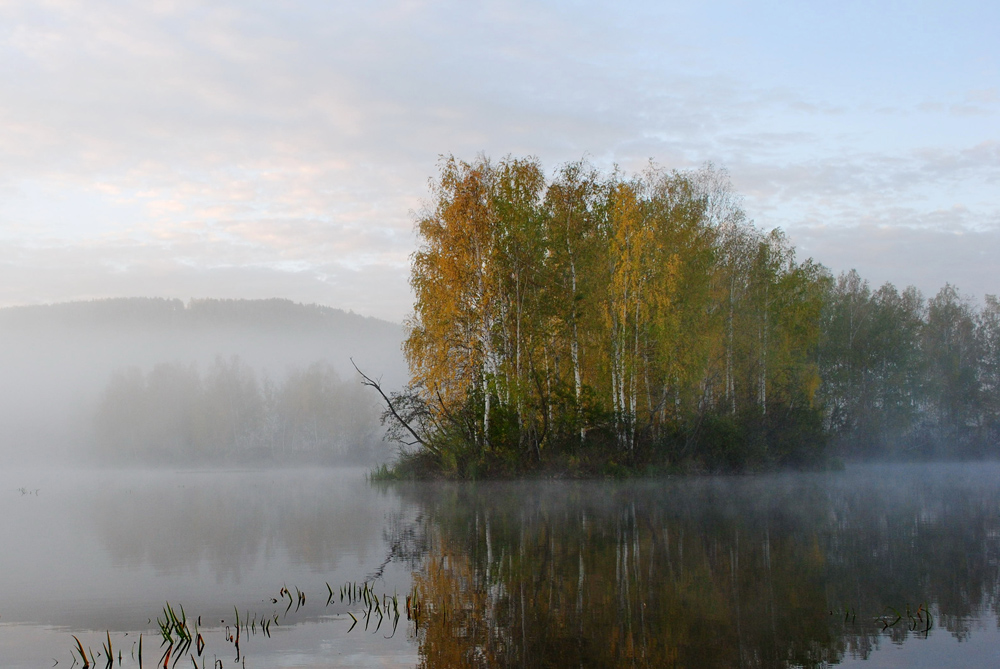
pixel 609 323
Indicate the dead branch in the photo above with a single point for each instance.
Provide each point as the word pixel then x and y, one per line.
pixel 372 383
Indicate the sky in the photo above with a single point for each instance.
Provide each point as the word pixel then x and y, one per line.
pixel 281 149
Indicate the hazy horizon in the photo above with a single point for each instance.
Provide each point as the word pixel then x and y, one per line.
pixel 291 363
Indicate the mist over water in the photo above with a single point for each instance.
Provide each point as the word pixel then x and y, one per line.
pixel 774 570
pixel 163 452
pixel 119 544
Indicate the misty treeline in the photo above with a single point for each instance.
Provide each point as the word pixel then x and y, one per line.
pixel 904 376
pixel 608 321
pixel 176 413
pixel 58 360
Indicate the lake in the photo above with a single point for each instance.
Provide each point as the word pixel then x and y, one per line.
pixel 882 566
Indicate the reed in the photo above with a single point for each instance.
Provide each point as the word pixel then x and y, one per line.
pixel 183 639
pixel 83 655
pixel 109 651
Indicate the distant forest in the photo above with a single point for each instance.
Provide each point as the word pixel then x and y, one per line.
pixel 908 377
pixel 592 324
pixel 158 381
pixel 614 323
pixel 175 414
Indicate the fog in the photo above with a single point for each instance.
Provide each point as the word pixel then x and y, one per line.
pixel 63 363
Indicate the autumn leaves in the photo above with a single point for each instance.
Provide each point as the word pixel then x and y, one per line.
pixel 596 313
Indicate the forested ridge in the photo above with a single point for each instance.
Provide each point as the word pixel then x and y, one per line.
pixel 161 381
pixel 611 322
pixel 163 313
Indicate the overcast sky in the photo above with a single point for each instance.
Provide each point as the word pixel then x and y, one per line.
pixel 279 149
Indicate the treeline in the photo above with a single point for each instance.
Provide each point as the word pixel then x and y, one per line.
pixel 56 359
pixel 174 414
pixel 905 377
pixel 603 321
pixel 610 322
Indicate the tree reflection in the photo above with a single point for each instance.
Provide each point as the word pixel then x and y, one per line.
pixel 771 572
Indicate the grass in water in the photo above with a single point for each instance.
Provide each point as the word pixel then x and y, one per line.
pixel 183 640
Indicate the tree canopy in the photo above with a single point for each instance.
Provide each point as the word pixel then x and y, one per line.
pixel 619 319
pixel 604 322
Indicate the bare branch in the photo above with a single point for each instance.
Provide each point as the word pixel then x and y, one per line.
pixel 368 381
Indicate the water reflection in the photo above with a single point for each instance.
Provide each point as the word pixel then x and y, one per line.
pixel 228 524
pixel 771 572
pixel 105 550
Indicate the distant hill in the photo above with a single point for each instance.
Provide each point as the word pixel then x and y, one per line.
pixel 56 360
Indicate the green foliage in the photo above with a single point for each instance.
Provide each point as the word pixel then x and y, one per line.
pixel 604 323
pixel 909 378
pixel 608 321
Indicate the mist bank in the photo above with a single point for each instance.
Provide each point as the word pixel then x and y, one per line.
pixel 904 377
pixel 177 413
pixel 60 362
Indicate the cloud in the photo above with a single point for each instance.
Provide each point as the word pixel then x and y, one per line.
pixel 923 257
pixel 53 274
pixel 935 187
pixel 285 145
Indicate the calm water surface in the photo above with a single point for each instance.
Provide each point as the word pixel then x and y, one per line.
pixel 768 571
